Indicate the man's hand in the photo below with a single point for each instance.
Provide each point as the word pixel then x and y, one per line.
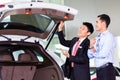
pixel 60 28
pixel 65 53
pixel 92 42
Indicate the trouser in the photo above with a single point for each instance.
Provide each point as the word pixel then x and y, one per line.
pixel 72 75
pixel 106 72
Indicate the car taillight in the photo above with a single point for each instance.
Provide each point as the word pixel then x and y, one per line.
pixel 28 11
pixel 2 5
pixel 66 16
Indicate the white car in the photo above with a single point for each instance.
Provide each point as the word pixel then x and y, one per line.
pixel 24 26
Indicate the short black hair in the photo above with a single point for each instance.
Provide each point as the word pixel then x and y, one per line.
pixel 106 18
pixel 89 26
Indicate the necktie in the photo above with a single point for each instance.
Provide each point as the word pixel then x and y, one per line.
pixel 75 50
pixel 97 44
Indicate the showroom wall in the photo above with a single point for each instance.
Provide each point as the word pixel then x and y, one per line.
pixel 88 11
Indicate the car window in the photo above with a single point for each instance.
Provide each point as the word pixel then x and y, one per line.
pixel 36 55
pixel 56 47
pixel 17 53
pixel 39 57
pixel 36 22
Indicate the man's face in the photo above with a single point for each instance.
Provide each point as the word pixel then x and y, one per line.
pixel 83 31
pixel 99 24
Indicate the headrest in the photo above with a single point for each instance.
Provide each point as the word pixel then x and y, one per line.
pixel 7 58
pixel 24 57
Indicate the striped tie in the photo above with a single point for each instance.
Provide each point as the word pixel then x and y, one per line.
pixel 97 44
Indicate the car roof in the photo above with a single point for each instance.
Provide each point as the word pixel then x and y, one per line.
pixel 50 15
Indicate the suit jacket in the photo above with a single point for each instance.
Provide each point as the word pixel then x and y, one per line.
pixel 81 60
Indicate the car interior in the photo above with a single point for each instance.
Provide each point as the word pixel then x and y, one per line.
pixel 20 61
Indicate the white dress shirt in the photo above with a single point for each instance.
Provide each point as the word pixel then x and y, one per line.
pixel 81 40
pixel 105 53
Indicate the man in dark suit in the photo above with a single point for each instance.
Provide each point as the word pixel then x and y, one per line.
pixel 77 54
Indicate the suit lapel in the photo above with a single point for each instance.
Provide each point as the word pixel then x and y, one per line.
pixel 81 45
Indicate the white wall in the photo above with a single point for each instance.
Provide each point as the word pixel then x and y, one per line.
pixel 89 10
pixel 4 1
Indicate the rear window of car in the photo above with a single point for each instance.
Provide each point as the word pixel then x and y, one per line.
pixel 15 53
pixel 32 22
pixel 34 55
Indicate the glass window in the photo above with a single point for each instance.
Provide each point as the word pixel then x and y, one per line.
pixel 39 57
pixel 32 22
pixel 17 53
pixel 33 54
pixel 55 46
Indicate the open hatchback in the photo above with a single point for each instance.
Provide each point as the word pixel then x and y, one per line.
pixel 23 28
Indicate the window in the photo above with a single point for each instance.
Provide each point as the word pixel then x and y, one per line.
pixel 17 53
pixel 33 22
pixel 39 57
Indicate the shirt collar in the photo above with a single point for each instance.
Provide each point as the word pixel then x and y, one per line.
pixel 81 39
pixel 103 33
